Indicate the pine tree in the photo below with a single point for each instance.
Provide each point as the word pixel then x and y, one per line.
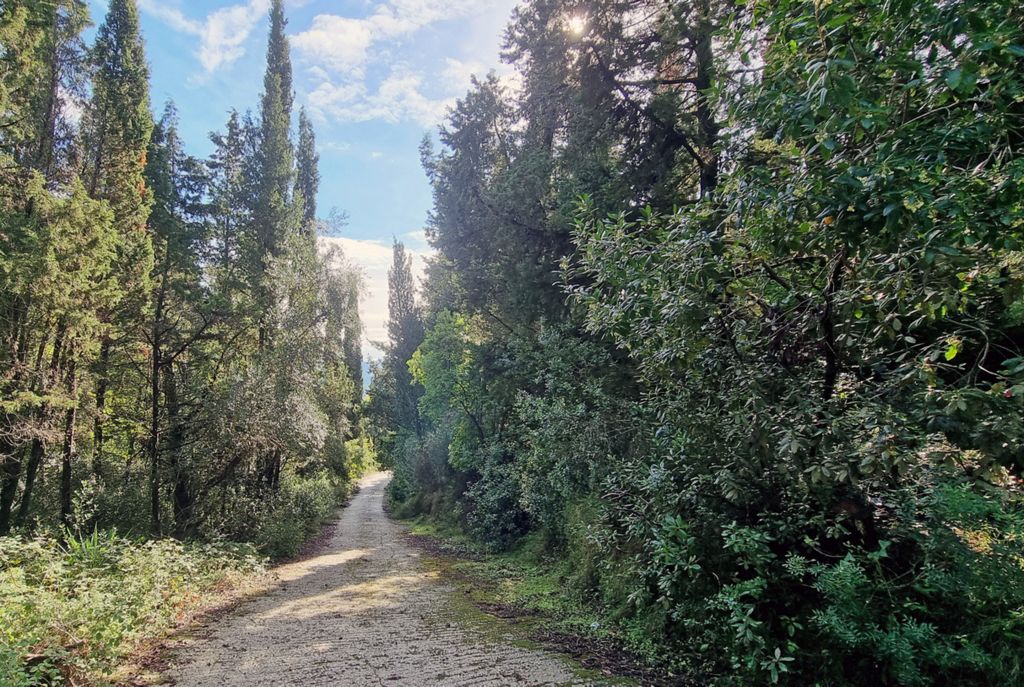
pixel 307 182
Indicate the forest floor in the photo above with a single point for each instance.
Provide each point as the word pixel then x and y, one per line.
pixel 368 609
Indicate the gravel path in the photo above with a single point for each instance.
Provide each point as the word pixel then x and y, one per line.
pixel 365 611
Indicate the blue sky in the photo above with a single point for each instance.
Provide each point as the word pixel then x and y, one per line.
pixel 375 77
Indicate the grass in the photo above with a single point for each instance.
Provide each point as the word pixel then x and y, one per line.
pixel 524 578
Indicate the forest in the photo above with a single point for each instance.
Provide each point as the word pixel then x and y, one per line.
pixel 722 330
pixel 727 310
pixel 179 362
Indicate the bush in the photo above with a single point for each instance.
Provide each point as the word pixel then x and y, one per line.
pixel 72 612
pixel 296 513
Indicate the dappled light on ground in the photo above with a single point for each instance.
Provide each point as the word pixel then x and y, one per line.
pixel 366 611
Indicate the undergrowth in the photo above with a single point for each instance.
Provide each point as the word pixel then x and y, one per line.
pixel 72 613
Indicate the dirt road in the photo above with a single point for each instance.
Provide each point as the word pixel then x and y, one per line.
pixel 366 611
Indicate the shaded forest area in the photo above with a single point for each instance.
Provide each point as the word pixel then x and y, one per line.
pixel 727 311
pixel 178 358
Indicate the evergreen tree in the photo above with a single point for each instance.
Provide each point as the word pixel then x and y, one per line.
pixel 352 335
pixel 276 153
pixel 118 129
pixel 307 181
pixel 275 218
pixel 230 196
pixel 180 309
pixel 279 62
pixel 405 332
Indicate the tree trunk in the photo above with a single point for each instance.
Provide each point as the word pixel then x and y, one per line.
pixel 11 474
pixel 709 127
pixel 37 453
pixel 182 493
pixel 102 384
pixel 68 454
pixel 35 462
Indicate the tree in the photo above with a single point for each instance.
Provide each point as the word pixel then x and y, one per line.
pixel 118 127
pixel 405 331
pixel 307 179
pixel 275 217
pixel 180 306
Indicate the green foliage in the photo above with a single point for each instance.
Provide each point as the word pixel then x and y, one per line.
pixel 777 432
pixel 72 613
pixel 295 513
pixel 176 356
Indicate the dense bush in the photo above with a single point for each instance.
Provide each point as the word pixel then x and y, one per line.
pixel 296 512
pixel 73 612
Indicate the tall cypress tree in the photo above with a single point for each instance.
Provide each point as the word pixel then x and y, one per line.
pixel 405 330
pixel 279 60
pixel 353 338
pixel 307 181
pixel 276 153
pixel 119 125
pixel 275 217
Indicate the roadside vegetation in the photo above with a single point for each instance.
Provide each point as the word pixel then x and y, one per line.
pixel 180 365
pixel 727 320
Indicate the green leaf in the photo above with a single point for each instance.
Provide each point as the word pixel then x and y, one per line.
pixel 838 20
pixel 953 78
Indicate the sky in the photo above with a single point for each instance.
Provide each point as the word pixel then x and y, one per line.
pixel 375 78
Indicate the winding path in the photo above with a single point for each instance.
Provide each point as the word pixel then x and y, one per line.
pixel 366 611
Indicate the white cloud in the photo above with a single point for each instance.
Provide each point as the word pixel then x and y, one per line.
pixel 398 97
pixel 374 259
pixel 336 146
pixel 340 50
pixel 337 43
pixel 343 44
pixel 416 238
pixel 222 34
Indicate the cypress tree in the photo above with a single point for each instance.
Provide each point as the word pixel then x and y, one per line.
pixel 274 210
pixel 279 60
pixel 405 330
pixel 276 153
pixel 353 339
pixel 119 126
pixel 307 181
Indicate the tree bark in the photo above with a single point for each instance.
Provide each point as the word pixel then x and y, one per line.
pixel 68 453
pixel 37 453
pixel 102 384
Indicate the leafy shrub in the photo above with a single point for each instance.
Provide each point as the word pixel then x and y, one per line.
pixel 72 612
pixel 296 512
pixel 492 503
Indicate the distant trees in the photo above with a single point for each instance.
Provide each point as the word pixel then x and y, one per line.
pixel 727 307
pixel 174 345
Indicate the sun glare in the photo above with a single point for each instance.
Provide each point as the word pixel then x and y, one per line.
pixel 576 24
